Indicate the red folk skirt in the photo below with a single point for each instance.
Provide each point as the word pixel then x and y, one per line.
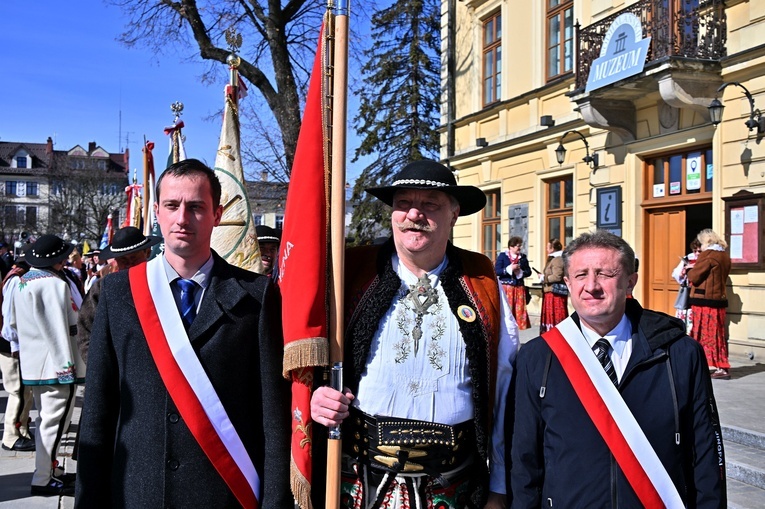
pixel 554 311
pixel 516 297
pixel 709 330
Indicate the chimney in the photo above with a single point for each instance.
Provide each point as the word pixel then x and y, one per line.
pixel 49 147
pixel 264 176
pixel 127 161
pixel 91 147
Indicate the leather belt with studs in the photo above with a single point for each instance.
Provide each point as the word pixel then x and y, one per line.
pixel 405 445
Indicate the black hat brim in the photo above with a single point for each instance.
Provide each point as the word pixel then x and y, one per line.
pixel 41 263
pixel 107 253
pixel 470 198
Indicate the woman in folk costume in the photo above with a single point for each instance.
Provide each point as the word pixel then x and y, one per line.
pixel 709 301
pixel 554 291
pixel 512 267
pixel 680 275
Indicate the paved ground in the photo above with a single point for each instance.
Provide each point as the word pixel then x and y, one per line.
pixel 16 468
pixel 739 400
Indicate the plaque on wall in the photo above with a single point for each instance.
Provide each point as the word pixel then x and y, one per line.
pixel 518 215
pixel 609 209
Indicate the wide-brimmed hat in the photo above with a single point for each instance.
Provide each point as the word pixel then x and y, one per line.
pixel 426 174
pixel 47 250
pixel 128 240
pixel 268 234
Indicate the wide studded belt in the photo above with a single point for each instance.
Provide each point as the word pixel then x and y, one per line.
pixel 405 445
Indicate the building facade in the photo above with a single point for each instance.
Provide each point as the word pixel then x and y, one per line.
pixel 65 192
pixel 618 92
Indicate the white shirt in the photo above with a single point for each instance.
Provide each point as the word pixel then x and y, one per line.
pixel 620 339
pixel 433 385
pixel 201 277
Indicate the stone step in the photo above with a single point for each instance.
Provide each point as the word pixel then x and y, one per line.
pixel 744 496
pixel 743 436
pixel 745 464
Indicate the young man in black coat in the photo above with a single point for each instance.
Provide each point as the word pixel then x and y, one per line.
pixel 185 404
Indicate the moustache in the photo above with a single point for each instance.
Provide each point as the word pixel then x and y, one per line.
pixel 409 225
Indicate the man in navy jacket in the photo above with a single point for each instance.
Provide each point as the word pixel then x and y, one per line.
pixel 560 457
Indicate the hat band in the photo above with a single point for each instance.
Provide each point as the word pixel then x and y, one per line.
pixel 268 239
pixel 420 182
pixel 50 255
pixel 128 248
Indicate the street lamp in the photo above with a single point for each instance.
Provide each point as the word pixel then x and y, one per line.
pixel 560 152
pixel 756 120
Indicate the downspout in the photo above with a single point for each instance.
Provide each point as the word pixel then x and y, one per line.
pixel 450 73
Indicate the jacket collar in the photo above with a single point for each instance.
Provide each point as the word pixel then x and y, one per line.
pixel 220 296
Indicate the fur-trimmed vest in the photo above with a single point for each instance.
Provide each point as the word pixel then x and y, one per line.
pixel 467 280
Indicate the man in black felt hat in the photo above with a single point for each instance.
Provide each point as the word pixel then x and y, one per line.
pixel 45 319
pixel 129 247
pixel 268 241
pixel 429 350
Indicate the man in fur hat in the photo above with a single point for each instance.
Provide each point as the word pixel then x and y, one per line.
pixel 45 318
pixel 430 344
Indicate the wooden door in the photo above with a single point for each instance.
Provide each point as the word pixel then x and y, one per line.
pixel 663 248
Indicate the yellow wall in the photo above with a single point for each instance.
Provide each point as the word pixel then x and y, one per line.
pixel 520 155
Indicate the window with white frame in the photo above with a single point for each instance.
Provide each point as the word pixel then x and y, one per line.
pixel 560 37
pixel 559 209
pixel 492 58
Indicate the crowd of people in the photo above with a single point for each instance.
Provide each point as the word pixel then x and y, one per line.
pixel 186 405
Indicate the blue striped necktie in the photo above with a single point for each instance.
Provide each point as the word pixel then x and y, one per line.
pixel 601 348
pixel 188 306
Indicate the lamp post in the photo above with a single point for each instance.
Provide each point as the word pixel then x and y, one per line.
pixel 755 121
pixel 560 152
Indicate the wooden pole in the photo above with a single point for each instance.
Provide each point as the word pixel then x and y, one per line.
pixel 337 235
pixel 147 190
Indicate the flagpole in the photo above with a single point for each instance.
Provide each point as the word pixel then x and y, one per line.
pixel 337 232
pixel 146 189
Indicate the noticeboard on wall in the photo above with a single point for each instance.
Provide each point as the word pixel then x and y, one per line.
pixel 745 230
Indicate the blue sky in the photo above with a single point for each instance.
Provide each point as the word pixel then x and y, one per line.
pixel 66 76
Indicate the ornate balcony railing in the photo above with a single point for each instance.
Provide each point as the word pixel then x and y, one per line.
pixel 694 29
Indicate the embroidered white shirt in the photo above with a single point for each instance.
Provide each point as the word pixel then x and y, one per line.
pixel 433 385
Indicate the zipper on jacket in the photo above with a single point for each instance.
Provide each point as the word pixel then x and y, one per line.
pixel 673 390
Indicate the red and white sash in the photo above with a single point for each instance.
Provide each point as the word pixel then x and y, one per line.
pixel 188 384
pixel 613 419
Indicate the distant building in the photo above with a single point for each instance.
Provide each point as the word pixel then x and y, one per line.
pixel 268 199
pixel 64 192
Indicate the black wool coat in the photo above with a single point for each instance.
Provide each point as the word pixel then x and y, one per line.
pixel 135 449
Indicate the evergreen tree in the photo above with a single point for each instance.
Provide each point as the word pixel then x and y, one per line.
pixel 399 104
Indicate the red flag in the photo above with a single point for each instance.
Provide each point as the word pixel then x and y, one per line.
pixel 303 275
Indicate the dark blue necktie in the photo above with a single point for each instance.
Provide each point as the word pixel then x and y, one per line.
pixel 188 306
pixel 601 352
